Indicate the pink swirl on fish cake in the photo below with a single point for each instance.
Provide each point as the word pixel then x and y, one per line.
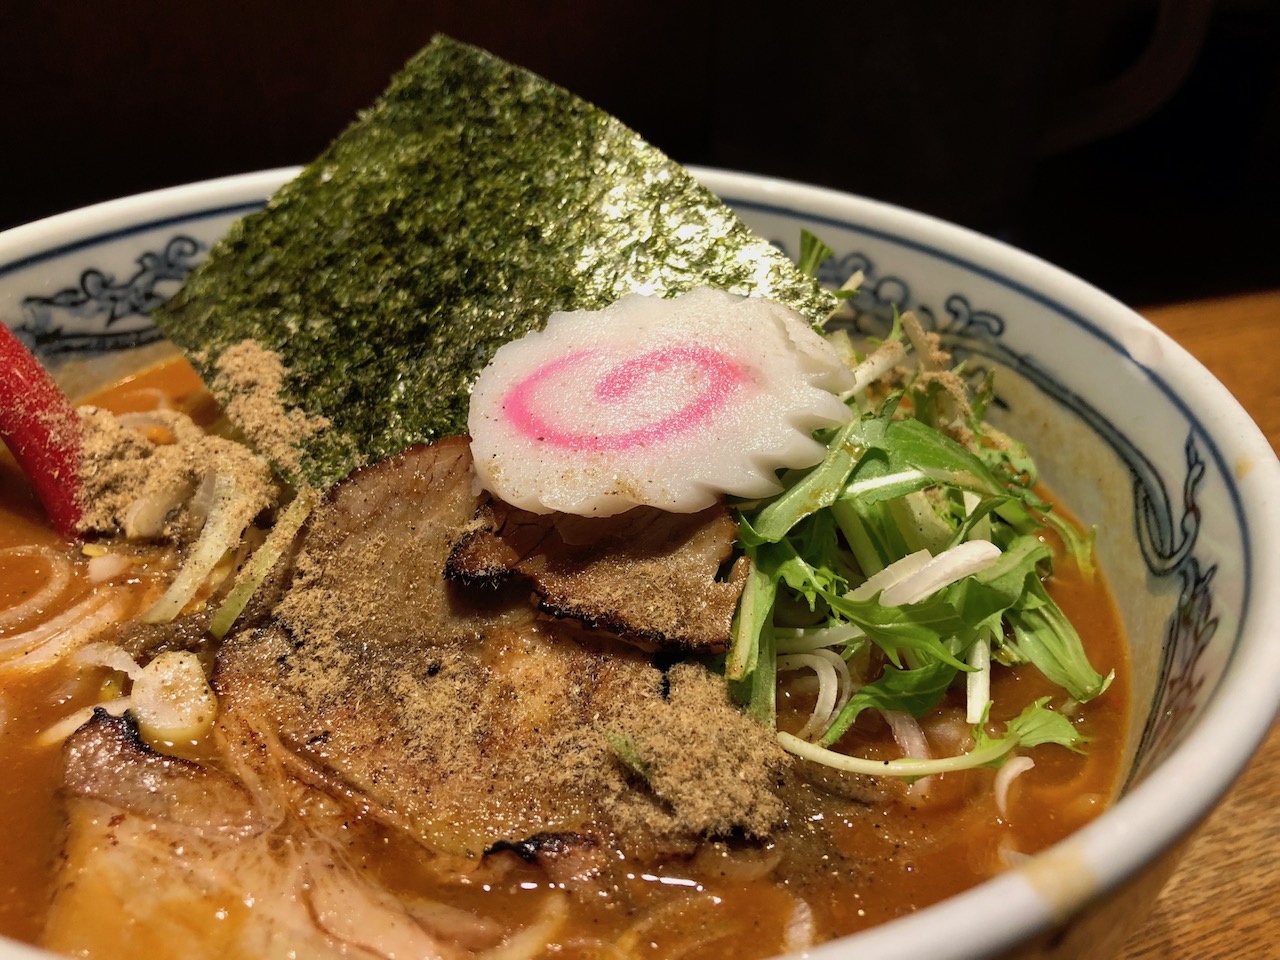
pixel 621 384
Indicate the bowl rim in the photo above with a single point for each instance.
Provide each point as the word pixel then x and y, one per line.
pixel 1178 793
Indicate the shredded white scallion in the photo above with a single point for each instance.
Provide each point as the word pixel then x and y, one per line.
pixel 906 767
pixel 834 686
pixel 883 359
pixel 978 683
pixel 203 499
pixel 286 527
pixel 962 560
pixel 1010 856
pixel 1012 768
pixel 893 574
pixel 919 523
pixel 806 641
pixel 800 933
pixel 533 939
pixel 845 679
pixel 908 735
pixel 221 532
pixel 867 485
pixel 145 517
pixel 107 566
pixel 158 397
pixel 172 699
pixel 919 340
pixel 982 529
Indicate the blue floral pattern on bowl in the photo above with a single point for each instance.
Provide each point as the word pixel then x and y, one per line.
pixel 98 313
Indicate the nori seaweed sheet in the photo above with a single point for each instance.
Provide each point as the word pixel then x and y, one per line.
pixel 465 206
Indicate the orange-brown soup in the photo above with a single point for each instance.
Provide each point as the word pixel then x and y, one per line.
pixel 911 852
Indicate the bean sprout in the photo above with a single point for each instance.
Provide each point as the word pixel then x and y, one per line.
pixel 806 641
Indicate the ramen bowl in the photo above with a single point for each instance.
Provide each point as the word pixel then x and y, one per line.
pixel 1129 431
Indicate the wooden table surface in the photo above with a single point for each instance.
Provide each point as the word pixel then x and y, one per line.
pixel 1224 899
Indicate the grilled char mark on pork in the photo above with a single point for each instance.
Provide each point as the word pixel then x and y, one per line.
pixel 647 575
pixel 571 860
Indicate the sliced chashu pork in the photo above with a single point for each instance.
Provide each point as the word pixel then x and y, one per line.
pixel 647 575
pixel 162 855
pixel 473 747
pixel 498 732
pixel 371 559
pixel 456 714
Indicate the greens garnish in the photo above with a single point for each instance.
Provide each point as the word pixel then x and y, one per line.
pixel 917 549
pixel 1036 725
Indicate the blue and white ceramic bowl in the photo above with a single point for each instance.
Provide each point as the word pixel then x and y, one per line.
pixel 1129 430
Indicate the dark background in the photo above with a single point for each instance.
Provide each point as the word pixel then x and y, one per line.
pixel 1134 142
